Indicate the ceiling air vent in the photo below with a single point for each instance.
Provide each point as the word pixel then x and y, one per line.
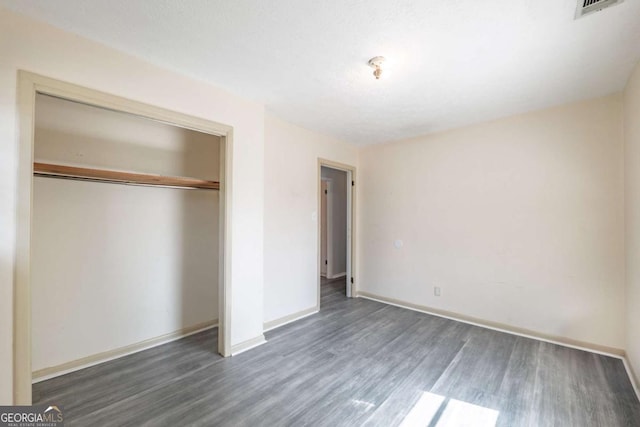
pixel 585 7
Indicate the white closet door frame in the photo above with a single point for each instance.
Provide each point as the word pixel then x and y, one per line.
pixel 29 84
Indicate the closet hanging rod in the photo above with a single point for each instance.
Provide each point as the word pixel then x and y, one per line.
pixel 103 175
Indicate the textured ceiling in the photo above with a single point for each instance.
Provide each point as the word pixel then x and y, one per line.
pixel 451 63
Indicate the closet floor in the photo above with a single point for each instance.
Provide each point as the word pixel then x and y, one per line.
pixel 357 362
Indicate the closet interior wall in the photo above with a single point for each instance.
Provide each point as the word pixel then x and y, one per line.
pixel 114 265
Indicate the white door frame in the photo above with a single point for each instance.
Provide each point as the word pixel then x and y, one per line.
pixel 351 212
pixel 329 228
pixel 29 84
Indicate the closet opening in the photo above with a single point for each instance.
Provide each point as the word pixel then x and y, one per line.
pixel 123 241
pixel 335 230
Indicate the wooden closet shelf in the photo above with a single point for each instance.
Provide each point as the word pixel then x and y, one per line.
pixel 104 175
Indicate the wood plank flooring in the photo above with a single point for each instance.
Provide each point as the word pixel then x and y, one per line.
pixel 357 362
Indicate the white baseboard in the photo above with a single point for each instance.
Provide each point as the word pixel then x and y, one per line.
pixel 96 359
pixel 337 275
pixel 247 345
pixel 273 324
pixel 501 327
pixel 632 375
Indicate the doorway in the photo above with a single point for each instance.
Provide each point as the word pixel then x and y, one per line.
pixel 335 229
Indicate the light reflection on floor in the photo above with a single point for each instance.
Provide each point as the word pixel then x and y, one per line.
pixel 450 412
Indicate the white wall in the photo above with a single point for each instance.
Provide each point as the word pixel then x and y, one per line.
pixel 72 133
pixel 632 215
pixel 117 265
pixel 520 221
pixel 337 256
pixel 114 265
pixel 291 198
pixel 30 45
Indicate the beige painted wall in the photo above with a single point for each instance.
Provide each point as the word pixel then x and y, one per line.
pixel 114 265
pixel 291 199
pixel 519 221
pixel 33 46
pixel 75 134
pixel 632 199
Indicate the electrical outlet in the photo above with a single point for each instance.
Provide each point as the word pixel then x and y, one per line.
pixel 436 291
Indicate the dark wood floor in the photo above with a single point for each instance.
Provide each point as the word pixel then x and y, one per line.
pixel 358 362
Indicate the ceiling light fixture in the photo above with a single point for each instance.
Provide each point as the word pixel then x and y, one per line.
pixel 376 64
